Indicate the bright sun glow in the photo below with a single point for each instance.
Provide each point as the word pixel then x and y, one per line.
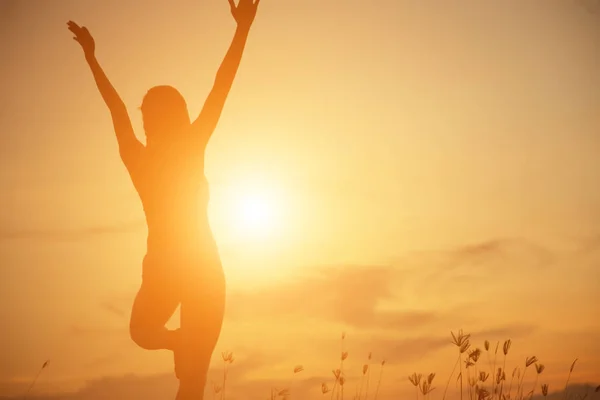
pixel 250 210
pixel 254 225
pixel 255 213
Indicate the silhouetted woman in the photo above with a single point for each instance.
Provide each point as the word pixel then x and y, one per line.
pixel 182 264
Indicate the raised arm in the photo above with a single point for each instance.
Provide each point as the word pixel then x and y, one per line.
pixel 129 145
pixel 206 122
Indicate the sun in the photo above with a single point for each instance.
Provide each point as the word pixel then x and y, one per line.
pixel 251 210
pixel 252 215
pixel 255 213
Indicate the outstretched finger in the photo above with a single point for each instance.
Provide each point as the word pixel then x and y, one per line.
pixel 74 28
pixel 256 3
pixel 232 4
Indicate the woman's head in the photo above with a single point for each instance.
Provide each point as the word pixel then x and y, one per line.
pixel 164 113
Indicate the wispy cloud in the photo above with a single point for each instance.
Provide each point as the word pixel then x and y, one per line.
pixel 592 6
pixel 115 308
pixel 353 294
pixel 96 331
pixel 69 235
pixel 496 252
pixel 347 294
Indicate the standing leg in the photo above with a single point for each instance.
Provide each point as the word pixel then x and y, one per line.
pixel 202 311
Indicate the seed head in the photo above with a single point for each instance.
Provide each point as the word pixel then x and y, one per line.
pixel 482 394
pixel 298 368
pixel 539 368
pixel 430 377
pixel 336 373
pixel 573 366
pixel 506 346
pixel 365 368
pixel 464 346
pixel 545 389
pixel 475 354
pixel 415 379
pixel 217 388
pixel 460 338
pixel 426 387
pixel 486 345
pixel 530 360
pixel 227 357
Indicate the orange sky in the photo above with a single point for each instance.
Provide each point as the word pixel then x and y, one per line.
pixel 434 166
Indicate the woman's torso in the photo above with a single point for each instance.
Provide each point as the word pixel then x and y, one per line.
pixel 175 195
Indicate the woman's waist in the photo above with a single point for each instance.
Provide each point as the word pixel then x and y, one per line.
pixel 180 235
pixel 173 219
pixel 181 265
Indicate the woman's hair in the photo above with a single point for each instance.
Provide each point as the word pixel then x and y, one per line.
pixel 164 112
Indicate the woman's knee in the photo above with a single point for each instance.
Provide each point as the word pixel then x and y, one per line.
pixel 139 336
pixel 151 310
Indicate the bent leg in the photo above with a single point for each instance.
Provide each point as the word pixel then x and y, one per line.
pixel 153 306
pixel 202 311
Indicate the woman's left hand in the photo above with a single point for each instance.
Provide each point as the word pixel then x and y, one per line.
pixel 244 12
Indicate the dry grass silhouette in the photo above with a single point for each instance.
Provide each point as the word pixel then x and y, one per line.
pixel 478 380
pixel 482 382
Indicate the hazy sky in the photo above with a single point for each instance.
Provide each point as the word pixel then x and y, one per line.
pixel 433 165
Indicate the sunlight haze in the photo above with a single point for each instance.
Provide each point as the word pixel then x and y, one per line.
pixel 395 170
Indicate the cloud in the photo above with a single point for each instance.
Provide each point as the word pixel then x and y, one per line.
pixel 69 235
pixel 115 308
pixel 353 294
pixel 591 6
pixel 496 252
pixel 512 332
pixel 347 294
pixel 8 8
pixel 410 349
pixel 476 272
pixel 589 246
pixel 103 361
pixel 102 332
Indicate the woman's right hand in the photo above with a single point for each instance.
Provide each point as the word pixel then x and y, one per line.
pixel 83 37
